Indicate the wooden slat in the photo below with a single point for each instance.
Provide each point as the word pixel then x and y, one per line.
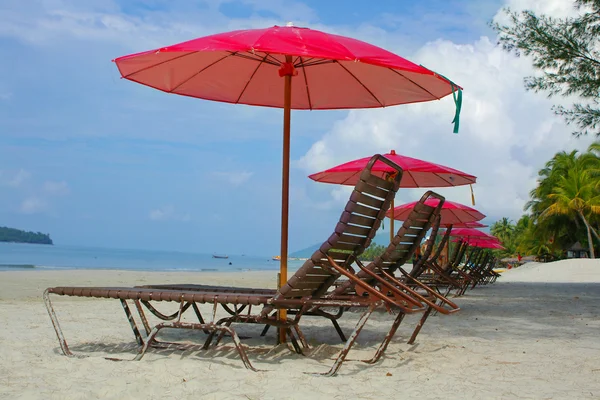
pixel 424 208
pixel 357 230
pixel 364 187
pixel 368 211
pixel 377 181
pixel 359 220
pixel 352 239
pixel 344 246
pixel 300 293
pixel 368 200
pixel 339 256
pixel 308 285
pixel 315 278
pixel 316 270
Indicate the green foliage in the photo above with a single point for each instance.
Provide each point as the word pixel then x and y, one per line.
pixel 564 208
pixel 374 250
pixel 19 236
pixel 567 53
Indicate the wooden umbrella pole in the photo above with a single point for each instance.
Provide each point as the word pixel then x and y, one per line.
pixel 285 189
pixel 392 222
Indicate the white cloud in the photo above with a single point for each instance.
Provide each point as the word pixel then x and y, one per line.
pixel 43 22
pixel 235 178
pixel 506 133
pixel 33 205
pixel 55 188
pixel 14 179
pixel 168 213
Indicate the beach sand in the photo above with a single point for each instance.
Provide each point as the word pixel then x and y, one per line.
pixel 534 334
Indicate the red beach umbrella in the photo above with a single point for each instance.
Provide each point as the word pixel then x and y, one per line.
pixel 475 224
pixel 416 173
pixel 485 244
pixel 473 234
pixel 257 67
pixel 452 213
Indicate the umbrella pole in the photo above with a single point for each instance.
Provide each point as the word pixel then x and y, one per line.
pixel 392 222
pixel 285 190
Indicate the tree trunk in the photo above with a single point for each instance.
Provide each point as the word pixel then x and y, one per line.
pixel 595 233
pixel 589 234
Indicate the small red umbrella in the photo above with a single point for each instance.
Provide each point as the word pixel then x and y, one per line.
pixel 484 244
pixel 452 213
pixel 416 173
pixel 473 234
pixel 257 67
pixel 470 225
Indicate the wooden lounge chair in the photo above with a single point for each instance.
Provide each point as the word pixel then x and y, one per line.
pixel 399 252
pixel 304 291
pixel 447 275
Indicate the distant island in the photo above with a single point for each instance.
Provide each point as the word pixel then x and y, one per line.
pixel 18 236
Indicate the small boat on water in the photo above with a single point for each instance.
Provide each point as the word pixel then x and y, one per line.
pixel 277 258
pixel 220 256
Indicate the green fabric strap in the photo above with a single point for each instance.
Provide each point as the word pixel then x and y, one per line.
pixel 457 96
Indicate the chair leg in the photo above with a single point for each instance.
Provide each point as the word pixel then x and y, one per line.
pixel 134 328
pixel 301 336
pixel 211 327
pixel 338 329
pixel 198 315
pixel 342 356
pixel 267 326
pixel 419 326
pixel 295 344
pixel 59 334
pixel 383 346
pixel 142 315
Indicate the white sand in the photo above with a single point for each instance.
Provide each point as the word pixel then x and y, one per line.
pixel 534 334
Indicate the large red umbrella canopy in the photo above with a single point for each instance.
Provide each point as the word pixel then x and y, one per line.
pixel 452 213
pixel 417 173
pixel 246 67
pixel 473 234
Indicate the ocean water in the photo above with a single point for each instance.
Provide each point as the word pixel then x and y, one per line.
pixel 20 256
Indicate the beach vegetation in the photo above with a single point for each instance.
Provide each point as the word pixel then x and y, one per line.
pixel 566 54
pixel 19 236
pixel 564 208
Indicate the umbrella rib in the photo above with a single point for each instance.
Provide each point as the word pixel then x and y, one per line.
pixel 358 80
pixel 444 179
pixel 316 62
pixel 157 64
pixel 199 72
pixel 276 62
pixel 251 76
pixel 413 82
pixel 306 85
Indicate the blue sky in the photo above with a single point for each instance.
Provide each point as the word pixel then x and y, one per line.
pixel 99 161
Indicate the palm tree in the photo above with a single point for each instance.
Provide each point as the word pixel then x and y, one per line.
pixel 574 195
pixel 503 229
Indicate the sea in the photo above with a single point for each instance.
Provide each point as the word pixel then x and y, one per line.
pixel 21 256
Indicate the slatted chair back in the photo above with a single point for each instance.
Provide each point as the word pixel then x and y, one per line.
pixel 405 243
pixel 358 224
pixel 457 255
pixel 422 264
